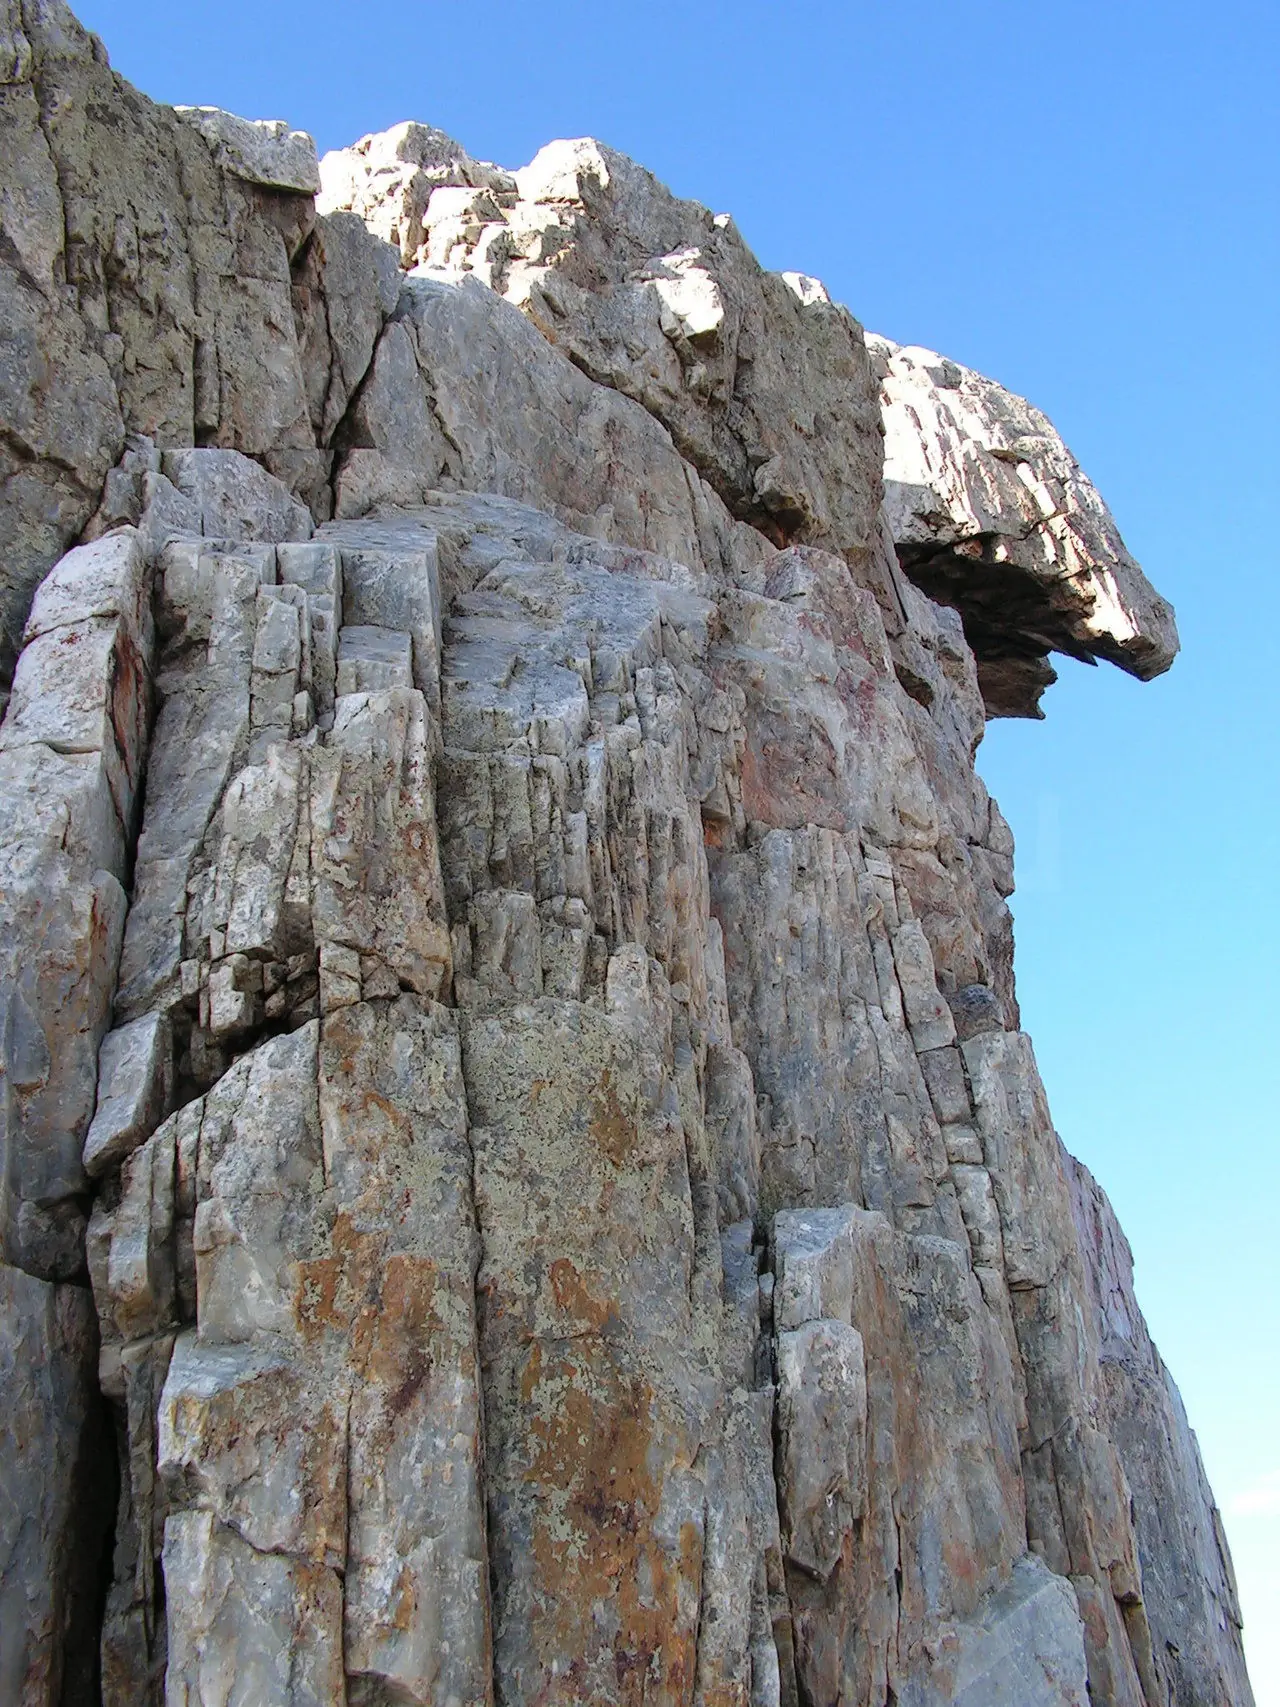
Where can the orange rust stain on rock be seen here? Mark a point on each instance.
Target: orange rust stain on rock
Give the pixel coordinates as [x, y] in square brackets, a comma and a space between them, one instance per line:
[574, 1298]
[406, 1601]
[594, 1544]
[793, 780]
[399, 1336]
[331, 1288]
[386, 1306]
[610, 1123]
[375, 1099]
[532, 1373]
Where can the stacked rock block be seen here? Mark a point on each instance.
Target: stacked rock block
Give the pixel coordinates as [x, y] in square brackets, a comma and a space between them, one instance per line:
[522, 1180]
[73, 750]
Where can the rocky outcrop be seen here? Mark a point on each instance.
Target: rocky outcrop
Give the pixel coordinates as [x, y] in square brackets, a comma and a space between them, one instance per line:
[763, 384]
[162, 273]
[769, 390]
[522, 1180]
[991, 513]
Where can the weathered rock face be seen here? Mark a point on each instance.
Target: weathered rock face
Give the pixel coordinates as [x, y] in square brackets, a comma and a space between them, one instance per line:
[991, 513]
[763, 384]
[161, 274]
[512, 1092]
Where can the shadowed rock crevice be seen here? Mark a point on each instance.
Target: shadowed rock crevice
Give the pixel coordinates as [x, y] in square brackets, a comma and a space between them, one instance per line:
[1008, 621]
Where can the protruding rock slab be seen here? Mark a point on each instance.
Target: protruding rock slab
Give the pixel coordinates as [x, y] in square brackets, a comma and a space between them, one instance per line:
[135, 1085]
[991, 513]
[263, 151]
[235, 497]
[243, 1625]
[464, 391]
[72, 754]
[317, 1441]
[658, 299]
[822, 1423]
[393, 1115]
[898, 1473]
[1025, 1648]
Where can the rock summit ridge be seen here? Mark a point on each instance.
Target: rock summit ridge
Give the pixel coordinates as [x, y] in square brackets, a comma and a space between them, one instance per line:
[522, 1179]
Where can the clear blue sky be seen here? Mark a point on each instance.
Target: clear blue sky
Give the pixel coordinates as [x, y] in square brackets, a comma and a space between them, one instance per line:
[1079, 199]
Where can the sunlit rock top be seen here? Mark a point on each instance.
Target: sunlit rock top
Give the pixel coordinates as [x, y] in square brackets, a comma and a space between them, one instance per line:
[765, 385]
[992, 513]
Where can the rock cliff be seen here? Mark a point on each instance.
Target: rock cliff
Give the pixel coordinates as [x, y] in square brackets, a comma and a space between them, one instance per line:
[522, 1182]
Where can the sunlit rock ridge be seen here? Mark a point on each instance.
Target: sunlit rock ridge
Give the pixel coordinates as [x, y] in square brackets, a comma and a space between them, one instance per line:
[522, 1181]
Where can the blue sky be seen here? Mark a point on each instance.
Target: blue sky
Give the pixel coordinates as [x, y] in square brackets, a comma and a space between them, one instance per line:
[1080, 200]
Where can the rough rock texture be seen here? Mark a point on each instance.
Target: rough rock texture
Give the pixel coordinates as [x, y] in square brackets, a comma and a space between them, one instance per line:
[161, 273]
[522, 1181]
[991, 513]
[1189, 1587]
[762, 382]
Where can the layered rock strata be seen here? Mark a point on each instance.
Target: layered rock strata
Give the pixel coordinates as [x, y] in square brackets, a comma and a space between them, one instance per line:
[522, 1180]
